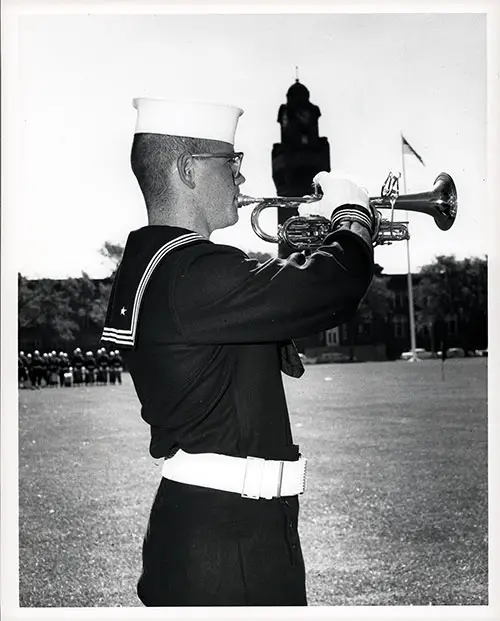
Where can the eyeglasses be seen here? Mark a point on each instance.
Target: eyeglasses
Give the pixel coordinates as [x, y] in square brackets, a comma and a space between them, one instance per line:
[234, 159]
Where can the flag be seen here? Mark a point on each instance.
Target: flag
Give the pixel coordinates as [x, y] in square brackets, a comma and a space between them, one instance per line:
[407, 148]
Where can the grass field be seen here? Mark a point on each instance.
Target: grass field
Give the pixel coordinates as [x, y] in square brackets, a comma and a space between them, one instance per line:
[395, 511]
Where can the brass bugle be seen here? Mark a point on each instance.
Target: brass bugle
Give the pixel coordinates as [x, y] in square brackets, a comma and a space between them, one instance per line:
[440, 202]
[306, 232]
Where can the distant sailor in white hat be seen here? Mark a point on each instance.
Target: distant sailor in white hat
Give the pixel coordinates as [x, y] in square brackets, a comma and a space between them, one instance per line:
[206, 334]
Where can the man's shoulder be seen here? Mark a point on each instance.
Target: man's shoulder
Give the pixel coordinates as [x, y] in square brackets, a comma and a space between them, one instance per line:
[148, 240]
[209, 259]
[214, 249]
[151, 242]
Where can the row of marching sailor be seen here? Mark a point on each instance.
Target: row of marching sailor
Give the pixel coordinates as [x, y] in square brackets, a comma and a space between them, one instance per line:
[37, 370]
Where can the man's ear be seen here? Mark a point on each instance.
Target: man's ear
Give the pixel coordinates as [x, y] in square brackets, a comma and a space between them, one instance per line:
[185, 168]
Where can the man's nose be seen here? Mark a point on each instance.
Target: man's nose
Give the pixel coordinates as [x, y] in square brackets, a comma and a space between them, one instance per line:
[239, 179]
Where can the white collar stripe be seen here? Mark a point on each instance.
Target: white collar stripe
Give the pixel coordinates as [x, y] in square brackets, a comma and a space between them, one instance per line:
[180, 241]
[117, 340]
[117, 331]
[127, 336]
[124, 337]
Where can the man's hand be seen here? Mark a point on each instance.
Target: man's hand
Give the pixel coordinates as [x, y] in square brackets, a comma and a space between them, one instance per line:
[344, 203]
[337, 190]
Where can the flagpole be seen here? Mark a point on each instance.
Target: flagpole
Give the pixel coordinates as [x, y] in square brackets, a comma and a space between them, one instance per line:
[411, 309]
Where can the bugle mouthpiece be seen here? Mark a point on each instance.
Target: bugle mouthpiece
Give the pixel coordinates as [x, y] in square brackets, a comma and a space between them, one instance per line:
[244, 200]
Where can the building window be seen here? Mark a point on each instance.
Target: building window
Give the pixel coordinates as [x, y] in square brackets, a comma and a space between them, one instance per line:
[332, 336]
[364, 328]
[451, 323]
[400, 298]
[400, 323]
[345, 332]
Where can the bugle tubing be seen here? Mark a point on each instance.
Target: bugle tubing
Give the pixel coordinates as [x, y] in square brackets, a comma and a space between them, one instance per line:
[306, 232]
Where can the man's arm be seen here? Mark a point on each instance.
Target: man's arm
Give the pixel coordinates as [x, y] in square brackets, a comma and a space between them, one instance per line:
[220, 296]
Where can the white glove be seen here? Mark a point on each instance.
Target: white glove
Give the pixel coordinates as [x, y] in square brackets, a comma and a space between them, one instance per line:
[338, 189]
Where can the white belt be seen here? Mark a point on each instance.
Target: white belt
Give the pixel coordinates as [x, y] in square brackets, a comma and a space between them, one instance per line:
[252, 477]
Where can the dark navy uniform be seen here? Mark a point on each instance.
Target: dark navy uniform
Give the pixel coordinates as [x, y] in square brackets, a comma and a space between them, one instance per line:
[38, 366]
[102, 366]
[31, 370]
[64, 368]
[78, 367]
[90, 368]
[116, 367]
[22, 369]
[205, 333]
[53, 366]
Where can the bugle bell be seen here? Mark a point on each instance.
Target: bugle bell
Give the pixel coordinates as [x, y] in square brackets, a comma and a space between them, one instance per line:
[308, 232]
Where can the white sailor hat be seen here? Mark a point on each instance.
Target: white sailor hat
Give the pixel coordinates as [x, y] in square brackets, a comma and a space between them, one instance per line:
[210, 121]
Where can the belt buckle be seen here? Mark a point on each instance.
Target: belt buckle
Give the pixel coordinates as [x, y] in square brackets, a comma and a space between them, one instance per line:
[252, 481]
[256, 483]
[280, 478]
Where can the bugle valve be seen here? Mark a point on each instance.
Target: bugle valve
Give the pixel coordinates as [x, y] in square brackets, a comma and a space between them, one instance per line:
[308, 232]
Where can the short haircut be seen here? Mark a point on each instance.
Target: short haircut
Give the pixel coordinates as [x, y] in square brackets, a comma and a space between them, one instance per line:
[152, 157]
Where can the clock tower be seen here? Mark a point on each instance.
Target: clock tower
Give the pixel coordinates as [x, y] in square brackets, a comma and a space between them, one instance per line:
[301, 154]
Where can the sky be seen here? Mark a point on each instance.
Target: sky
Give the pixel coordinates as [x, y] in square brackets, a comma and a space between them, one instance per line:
[372, 75]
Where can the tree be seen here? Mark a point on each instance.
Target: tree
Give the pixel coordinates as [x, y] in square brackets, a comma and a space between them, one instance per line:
[58, 312]
[113, 253]
[373, 310]
[88, 300]
[44, 307]
[261, 257]
[454, 289]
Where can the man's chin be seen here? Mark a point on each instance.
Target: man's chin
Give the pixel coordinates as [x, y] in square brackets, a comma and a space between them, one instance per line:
[231, 221]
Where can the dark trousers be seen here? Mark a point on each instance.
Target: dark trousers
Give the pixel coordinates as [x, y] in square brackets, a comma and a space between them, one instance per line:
[205, 547]
[36, 376]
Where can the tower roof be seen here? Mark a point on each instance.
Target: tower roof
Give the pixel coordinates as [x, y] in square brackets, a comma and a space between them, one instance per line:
[297, 93]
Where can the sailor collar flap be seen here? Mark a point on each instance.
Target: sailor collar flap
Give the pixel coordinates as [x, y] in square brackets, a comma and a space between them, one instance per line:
[144, 251]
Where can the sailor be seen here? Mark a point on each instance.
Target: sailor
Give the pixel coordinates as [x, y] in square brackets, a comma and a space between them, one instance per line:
[206, 333]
